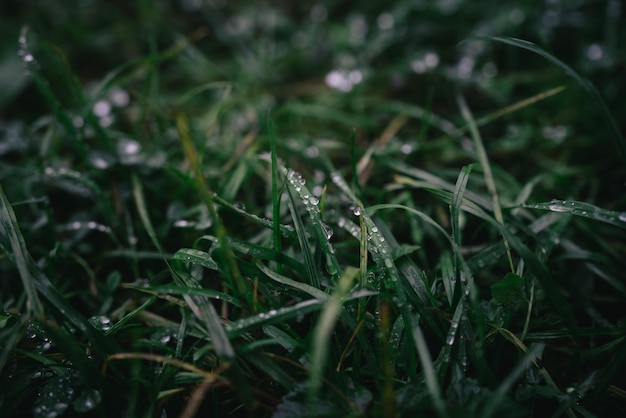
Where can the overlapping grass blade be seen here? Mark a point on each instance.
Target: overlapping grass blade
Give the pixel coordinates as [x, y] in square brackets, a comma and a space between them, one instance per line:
[324, 328]
[284, 314]
[201, 307]
[15, 247]
[296, 186]
[484, 162]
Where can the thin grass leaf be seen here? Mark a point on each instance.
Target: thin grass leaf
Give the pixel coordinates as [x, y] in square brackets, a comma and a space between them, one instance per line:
[430, 376]
[285, 230]
[129, 316]
[585, 84]
[323, 232]
[584, 210]
[313, 273]
[484, 162]
[431, 181]
[282, 315]
[324, 328]
[455, 214]
[303, 287]
[263, 253]
[275, 195]
[184, 290]
[18, 254]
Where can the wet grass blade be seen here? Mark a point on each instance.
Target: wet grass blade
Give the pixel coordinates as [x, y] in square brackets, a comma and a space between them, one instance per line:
[585, 210]
[19, 254]
[585, 84]
[313, 273]
[303, 287]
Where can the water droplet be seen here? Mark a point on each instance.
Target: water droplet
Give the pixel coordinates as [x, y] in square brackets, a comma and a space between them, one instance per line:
[102, 108]
[129, 151]
[312, 151]
[374, 229]
[313, 200]
[328, 231]
[102, 322]
[342, 222]
[343, 80]
[101, 160]
[120, 98]
[406, 149]
[87, 401]
[356, 210]
[622, 217]
[558, 207]
[385, 21]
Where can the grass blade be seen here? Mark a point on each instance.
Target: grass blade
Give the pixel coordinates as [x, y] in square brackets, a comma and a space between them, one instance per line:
[484, 162]
[324, 329]
[585, 210]
[275, 195]
[19, 254]
[585, 84]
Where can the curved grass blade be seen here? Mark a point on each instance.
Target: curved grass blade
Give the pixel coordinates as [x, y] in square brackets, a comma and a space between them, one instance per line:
[311, 290]
[585, 84]
[263, 253]
[183, 290]
[196, 257]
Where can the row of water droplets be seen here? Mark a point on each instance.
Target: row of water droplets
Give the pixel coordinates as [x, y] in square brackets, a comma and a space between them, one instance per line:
[583, 209]
[311, 204]
[263, 317]
[376, 244]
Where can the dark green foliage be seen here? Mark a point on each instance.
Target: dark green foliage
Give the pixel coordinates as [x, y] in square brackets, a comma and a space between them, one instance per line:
[321, 209]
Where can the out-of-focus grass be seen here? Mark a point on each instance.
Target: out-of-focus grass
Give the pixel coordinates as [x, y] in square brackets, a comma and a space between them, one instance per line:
[228, 209]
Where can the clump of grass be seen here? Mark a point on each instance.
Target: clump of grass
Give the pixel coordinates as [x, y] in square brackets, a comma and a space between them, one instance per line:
[176, 248]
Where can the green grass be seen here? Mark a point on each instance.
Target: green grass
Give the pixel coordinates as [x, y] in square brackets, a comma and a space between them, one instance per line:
[195, 223]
